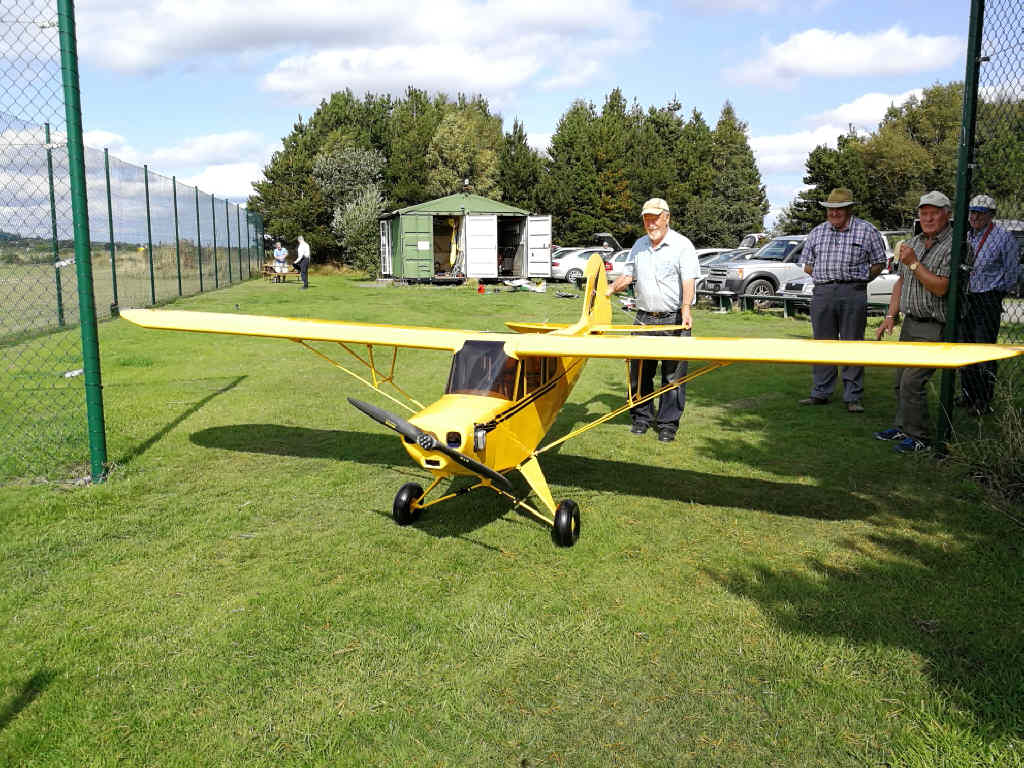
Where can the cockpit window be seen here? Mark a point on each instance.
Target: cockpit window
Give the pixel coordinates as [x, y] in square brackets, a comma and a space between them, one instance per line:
[482, 368]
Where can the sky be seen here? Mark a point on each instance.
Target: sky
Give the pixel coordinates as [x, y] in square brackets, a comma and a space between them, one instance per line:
[206, 91]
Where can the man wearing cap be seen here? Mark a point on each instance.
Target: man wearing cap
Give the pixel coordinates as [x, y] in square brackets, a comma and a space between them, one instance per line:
[920, 294]
[841, 254]
[663, 267]
[995, 268]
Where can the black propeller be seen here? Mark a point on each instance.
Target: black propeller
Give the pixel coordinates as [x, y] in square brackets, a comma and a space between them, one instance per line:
[428, 442]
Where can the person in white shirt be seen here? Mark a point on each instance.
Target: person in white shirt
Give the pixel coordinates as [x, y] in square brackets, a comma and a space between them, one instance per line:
[663, 266]
[302, 261]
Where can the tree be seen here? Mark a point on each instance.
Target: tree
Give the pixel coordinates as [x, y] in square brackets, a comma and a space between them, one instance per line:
[343, 172]
[465, 146]
[694, 211]
[356, 225]
[411, 128]
[519, 169]
[736, 190]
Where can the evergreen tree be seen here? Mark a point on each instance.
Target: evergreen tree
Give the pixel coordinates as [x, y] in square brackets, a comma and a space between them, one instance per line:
[612, 138]
[736, 190]
[696, 215]
[465, 146]
[413, 123]
[519, 169]
[569, 189]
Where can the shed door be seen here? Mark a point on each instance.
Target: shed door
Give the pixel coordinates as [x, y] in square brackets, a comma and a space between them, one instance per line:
[538, 245]
[385, 247]
[417, 245]
[482, 245]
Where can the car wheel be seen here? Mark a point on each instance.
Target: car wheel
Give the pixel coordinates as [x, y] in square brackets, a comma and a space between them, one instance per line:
[759, 287]
[574, 275]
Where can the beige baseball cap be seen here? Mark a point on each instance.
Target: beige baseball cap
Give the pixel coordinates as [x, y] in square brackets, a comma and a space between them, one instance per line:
[655, 206]
[935, 198]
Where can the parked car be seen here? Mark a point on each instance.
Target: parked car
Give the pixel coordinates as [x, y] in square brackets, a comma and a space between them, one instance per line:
[569, 264]
[718, 256]
[800, 289]
[772, 266]
[618, 261]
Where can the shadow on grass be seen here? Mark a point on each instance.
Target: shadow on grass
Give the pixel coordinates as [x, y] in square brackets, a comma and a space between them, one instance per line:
[145, 445]
[642, 480]
[29, 692]
[959, 611]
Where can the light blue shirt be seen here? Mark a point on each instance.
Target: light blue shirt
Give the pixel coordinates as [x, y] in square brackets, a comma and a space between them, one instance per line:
[658, 273]
[997, 264]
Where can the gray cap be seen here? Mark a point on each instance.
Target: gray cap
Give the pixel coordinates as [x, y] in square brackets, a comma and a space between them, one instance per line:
[935, 198]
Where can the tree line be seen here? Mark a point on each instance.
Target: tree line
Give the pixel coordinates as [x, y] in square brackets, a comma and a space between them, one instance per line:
[914, 150]
[355, 158]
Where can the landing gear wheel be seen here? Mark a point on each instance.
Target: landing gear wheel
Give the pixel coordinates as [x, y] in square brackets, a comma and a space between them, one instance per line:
[567, 523]
[402, 510]
[574, 276]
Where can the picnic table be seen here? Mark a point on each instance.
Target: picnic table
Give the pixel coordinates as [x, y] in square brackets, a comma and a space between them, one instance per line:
[268, 272]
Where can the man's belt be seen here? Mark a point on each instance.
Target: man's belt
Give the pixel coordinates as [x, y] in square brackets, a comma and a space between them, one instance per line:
[659, 314]
[840, 282]
[924, 319]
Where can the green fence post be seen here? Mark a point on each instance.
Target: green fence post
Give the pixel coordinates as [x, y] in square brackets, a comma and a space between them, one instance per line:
[53, 226]
[227, 226]
[83, 254]
[213, 216]
[238, 231]
[110, 227]
[177, 241]
[199, 244]
[248, 243]
[149, 237]
[965, 161]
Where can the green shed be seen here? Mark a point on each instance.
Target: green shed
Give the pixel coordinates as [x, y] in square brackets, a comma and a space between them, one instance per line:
[464, 235]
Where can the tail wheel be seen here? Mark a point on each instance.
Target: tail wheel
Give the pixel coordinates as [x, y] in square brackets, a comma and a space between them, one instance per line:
[567, 523]
[404, 510]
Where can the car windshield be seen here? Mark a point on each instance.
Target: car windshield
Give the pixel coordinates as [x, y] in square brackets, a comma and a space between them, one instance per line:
[482, 368]
[777, 250]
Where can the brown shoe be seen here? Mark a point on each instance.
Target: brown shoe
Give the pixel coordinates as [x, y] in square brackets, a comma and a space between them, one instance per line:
[813, 401]
[854, 406]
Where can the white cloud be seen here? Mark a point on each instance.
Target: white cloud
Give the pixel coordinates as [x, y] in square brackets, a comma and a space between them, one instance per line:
[232, 180]
[220, 148]
[787, 152]
[539, 141]
[391, 69]
[864, 112]
[821, 53]
[763, 7]
[320, 46]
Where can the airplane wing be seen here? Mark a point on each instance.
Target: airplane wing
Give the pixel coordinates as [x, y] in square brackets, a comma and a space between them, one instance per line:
[296, 328]
[883, 353]
[542, 339]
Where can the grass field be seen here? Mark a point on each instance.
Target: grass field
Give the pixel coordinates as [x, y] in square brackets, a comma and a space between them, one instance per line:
[776, 588]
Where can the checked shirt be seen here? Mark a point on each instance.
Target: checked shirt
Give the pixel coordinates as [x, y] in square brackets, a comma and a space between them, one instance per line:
[843, 255]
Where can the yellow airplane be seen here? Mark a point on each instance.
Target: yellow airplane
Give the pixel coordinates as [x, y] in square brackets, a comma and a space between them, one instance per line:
[505, 390]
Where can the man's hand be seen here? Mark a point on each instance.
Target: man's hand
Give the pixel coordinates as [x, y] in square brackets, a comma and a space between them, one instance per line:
[907, 254]
[687, 319]
[885, 328]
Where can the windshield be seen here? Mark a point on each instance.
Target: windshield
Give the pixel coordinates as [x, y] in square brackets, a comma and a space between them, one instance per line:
[482, 368]
[777, 250]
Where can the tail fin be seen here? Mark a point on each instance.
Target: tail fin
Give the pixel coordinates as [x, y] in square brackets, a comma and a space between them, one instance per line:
[597, 309]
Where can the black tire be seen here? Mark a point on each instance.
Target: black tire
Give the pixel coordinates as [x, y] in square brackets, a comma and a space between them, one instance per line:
[574, 276]
[759, 287]
[402, 510]
[567, 523]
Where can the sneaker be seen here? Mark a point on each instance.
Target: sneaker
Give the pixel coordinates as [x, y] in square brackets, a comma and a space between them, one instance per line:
[890, 434]
[666, 435]
[910, 445]
[854, 406]
[812, 400]
[638, 429]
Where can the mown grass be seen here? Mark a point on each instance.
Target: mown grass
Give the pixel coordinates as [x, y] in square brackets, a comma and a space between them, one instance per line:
[775, 588]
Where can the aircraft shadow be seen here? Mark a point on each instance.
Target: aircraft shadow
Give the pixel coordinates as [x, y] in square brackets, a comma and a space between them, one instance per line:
[641, 480]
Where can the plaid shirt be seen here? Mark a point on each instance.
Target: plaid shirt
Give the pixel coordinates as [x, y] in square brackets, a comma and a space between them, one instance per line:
[915, 299]
[997, 264]
[843, 254]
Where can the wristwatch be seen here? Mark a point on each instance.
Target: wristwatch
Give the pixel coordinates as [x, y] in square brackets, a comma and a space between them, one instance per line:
[913, 267]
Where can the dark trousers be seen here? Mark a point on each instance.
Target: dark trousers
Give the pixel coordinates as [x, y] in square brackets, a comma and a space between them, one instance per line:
[641, 379]
[303, 271]
[839, 311]
[912, 383]
[981, 325]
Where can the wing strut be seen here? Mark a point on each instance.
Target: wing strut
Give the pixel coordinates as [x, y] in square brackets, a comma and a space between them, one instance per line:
[707, 368]
[378, 376]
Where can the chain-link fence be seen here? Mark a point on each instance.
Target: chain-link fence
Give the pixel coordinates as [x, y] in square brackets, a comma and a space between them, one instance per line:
[150, 239]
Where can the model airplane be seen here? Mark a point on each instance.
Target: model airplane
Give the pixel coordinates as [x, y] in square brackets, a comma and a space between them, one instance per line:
[505, 390]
